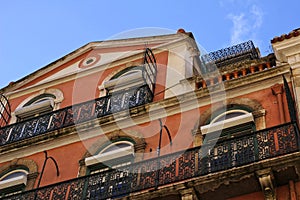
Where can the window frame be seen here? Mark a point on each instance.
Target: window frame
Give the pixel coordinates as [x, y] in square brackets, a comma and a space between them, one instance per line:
[14, 184]
[228, 128]
[37, 106]
[125, 79]
[103, 161]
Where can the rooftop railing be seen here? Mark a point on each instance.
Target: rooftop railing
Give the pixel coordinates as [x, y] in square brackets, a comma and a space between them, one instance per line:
[229, 55]
[175, 167]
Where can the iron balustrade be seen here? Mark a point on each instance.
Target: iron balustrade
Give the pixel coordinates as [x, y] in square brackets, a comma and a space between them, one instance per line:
[229, 55]
[4, 111]
[78, 113]
[175, 167]
[149, 69]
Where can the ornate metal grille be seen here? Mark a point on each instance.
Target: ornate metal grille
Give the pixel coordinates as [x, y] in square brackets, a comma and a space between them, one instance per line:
[150, 69]
[4, 111]
[230, 55]
[173, 167]
[112, 103]
[76, 114]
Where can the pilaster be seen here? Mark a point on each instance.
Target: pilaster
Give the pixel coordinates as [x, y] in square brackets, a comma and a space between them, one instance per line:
[277, 90]
[287, 52]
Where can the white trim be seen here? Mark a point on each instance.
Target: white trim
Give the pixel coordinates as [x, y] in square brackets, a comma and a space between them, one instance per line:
[227, 123]
[18, 180]
[228, 112]
[35, 108]
[111, 155]
[115, 144]
[125, 81]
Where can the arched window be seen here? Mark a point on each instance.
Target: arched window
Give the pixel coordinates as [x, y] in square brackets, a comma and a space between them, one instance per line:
[230, 123]
[13, 182]
[127, 71]
[38, 105]
[125, 79]
[115, 155]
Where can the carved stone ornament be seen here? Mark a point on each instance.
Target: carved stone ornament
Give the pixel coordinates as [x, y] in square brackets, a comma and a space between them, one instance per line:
[266, 178]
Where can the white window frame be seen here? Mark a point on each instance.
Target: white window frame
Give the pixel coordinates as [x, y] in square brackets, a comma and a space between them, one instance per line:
[227, 123]
[132, 78]
[108, 156]
[15, 181]
[35, 108]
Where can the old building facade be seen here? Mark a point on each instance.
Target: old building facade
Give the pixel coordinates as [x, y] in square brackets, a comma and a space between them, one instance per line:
[155, 118]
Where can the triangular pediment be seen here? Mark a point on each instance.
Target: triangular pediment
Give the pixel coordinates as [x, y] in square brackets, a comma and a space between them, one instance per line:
[92, 55]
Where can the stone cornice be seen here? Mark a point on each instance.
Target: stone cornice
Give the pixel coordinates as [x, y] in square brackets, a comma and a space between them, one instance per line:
[286, 49]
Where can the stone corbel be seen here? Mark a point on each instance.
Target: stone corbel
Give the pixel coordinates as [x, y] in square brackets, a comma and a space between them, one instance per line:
[188, 194]
[266, 178]
[198, 137]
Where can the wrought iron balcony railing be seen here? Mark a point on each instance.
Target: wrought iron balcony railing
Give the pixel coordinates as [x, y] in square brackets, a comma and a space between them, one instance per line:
[76, 114]
[175, 167]
[229, 55]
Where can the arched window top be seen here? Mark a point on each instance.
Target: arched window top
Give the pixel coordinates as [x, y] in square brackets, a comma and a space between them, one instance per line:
[39, 105]
[230, 122]
[127, 71]
[14, 174]
[228, 115]
[13, 181]
[112, 156]
[40, 98]
[116, 146]
[131, 77]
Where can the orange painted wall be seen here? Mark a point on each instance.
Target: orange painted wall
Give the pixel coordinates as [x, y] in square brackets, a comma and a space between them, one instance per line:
[268, 102]
[98, 49]
[180, 125]
[67, 158]
[297, 185]
[86, 88]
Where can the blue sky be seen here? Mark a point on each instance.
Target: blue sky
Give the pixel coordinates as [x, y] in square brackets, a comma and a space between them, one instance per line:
[33, 33]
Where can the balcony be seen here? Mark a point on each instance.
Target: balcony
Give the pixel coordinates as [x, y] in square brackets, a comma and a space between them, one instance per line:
[227, 56]
[115, 102]
[176, 167]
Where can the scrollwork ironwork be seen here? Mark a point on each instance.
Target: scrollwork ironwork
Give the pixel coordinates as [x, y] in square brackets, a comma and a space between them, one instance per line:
[75, 114]
[173, 167]
[231, 54]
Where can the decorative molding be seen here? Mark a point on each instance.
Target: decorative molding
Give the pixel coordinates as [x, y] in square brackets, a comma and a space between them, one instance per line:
[138, 140]
[266, 178]
[188, 194]
[253, 104]
[59, 97]
[29, 164]
[277, 89]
